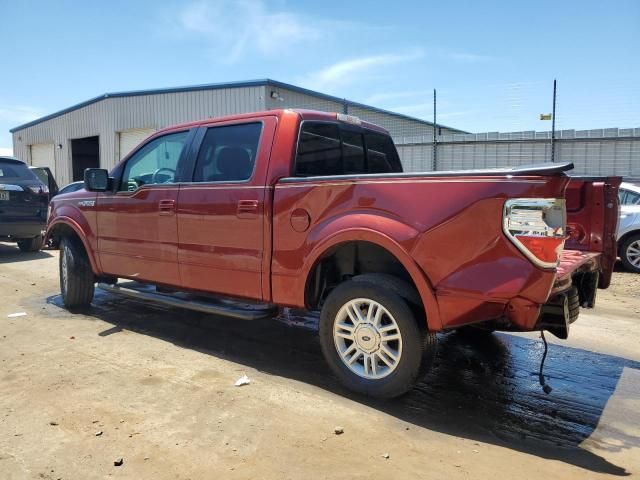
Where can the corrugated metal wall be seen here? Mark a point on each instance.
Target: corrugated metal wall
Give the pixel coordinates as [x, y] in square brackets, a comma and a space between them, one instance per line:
[114, 114]
[400, 128]
[594, 152]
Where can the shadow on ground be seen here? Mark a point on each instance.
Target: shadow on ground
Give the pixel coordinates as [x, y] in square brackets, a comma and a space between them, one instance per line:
[484, 390]
[10, 253]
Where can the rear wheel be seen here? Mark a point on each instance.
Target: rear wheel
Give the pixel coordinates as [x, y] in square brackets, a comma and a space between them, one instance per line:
[630, 253]
[76, 277]
[372, 341]
[30, 244]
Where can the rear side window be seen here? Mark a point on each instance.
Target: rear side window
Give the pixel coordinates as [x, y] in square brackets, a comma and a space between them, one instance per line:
[326, 148]
[15, 171]
[228, 153]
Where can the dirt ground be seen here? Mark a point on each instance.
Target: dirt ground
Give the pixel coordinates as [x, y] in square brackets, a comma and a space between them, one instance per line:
[155, 387]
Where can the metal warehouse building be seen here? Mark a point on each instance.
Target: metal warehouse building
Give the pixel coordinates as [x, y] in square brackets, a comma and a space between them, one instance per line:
[101, 131]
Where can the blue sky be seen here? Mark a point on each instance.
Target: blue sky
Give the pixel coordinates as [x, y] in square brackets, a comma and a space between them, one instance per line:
[493, 63]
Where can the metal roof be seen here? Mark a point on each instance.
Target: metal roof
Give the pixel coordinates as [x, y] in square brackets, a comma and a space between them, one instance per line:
[217, 86]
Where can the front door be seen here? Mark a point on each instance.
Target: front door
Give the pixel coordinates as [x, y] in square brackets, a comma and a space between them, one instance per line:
[137, 226]
[221, 213]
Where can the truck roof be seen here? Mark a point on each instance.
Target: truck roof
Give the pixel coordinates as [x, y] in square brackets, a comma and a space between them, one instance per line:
[302, 113]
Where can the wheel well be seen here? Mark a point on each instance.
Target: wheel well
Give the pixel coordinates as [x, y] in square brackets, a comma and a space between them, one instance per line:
[61, 231]
[347, 260]
[624, 238]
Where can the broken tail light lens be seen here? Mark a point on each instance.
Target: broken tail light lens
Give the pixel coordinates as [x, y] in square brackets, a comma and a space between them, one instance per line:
[537, 226]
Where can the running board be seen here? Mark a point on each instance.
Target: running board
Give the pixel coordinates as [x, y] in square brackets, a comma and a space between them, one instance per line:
[215, 306]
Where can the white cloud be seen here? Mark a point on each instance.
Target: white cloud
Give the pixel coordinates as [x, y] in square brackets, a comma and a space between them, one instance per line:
[346, 71]
[6, 151]
[237, 28]
[17, 114]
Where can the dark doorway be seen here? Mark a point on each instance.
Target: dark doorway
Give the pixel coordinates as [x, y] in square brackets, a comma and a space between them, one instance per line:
[85, 153]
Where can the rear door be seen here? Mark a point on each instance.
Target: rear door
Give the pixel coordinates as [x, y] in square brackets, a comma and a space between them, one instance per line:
[137, 227]
[221, 214]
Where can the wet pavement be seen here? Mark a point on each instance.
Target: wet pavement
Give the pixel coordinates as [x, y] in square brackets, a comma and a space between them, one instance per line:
[482, 389]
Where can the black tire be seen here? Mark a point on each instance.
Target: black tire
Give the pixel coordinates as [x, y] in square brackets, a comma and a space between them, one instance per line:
[418, 345]
[30, 244]
[626, 249]
[76, 277]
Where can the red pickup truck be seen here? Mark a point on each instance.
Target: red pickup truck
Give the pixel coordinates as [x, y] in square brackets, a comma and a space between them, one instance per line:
[246, 214]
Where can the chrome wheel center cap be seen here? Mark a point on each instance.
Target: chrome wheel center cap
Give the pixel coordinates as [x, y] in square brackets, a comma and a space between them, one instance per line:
[367, 338]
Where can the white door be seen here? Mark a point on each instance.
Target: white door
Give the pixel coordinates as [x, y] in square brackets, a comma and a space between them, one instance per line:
[43, 155]
[130, 139]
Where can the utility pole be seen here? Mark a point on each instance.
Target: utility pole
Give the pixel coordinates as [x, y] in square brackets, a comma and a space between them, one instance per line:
[435, 138]
[553, 124]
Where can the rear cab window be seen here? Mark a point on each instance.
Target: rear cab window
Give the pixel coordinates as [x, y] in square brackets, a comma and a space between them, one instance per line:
[331, 148]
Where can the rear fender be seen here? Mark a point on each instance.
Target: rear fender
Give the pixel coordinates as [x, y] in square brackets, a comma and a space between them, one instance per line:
[344, 230]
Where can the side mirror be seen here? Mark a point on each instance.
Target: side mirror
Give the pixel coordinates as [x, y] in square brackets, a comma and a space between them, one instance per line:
[96, 179]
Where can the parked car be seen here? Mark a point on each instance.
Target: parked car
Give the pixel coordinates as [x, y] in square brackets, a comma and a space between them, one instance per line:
[23, 205]
[71, 187]
[45, 175]
[312, 210]
[629, 226]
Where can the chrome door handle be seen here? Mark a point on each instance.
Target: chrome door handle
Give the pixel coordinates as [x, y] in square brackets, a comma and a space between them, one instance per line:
[247, 208]
[167, 207]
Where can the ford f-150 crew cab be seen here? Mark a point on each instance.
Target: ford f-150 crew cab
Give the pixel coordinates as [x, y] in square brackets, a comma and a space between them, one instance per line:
[246, 214]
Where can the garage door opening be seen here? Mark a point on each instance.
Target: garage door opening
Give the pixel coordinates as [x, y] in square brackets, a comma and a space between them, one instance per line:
[85, 153]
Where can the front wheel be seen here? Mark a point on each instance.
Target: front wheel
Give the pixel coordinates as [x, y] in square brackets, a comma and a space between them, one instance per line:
[630, 253]
[76, 277]
[372, 340]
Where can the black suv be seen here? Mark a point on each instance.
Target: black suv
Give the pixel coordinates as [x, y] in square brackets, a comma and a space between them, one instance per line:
[23, 205]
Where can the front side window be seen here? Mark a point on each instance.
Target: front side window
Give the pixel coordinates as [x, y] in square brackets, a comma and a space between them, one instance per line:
[228, 153]
[155, 163]
[327, 148]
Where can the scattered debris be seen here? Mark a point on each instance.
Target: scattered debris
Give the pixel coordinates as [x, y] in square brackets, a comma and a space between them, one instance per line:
[475, 451]
[385, 455]
[98, 433]
[118, 462]
[17, 314]
[338, 430]
[243, 380]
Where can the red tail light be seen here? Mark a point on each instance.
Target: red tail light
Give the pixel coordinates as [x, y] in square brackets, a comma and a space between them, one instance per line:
[537, 227]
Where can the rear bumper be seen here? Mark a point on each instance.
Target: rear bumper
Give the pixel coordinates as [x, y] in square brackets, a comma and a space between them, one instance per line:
[17, 230]
[575, 286]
